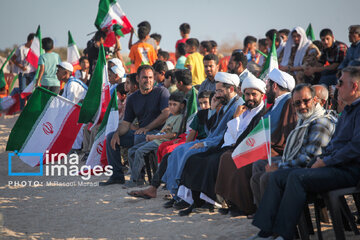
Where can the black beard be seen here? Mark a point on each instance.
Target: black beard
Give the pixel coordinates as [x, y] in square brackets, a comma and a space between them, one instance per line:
[270, 97]
[223, 101]
[251, 106]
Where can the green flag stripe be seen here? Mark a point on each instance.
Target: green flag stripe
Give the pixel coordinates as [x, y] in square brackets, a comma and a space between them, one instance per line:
[259, 127]
[32, 112]
[104, 6]
[112, 106]
[70, 39]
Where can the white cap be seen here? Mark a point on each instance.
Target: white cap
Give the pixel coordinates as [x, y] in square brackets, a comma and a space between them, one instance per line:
[116, 61]
[67, 66]
[120, 71]
[253, 82]
[284, 79]
[228, 78]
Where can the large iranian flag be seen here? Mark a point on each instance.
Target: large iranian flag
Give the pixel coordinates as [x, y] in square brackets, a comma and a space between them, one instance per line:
[47, 123]
[271, 61]
[113, 20]
[98, 95]
[255, 146]
[97, 156]
[35, 49]
[73, 55]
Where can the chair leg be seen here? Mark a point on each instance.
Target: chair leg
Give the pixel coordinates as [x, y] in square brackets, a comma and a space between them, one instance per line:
[333, 205]
[308, 220]
[348, 215]
[303, 227]
[318, 209]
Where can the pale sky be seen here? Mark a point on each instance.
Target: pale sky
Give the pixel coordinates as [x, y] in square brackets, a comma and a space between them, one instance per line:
[216, 20]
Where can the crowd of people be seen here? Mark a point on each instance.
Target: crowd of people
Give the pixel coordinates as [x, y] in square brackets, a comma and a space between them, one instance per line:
[312, 99]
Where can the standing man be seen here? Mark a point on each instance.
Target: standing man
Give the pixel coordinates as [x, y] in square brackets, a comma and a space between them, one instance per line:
[211, 68]
[150, 106]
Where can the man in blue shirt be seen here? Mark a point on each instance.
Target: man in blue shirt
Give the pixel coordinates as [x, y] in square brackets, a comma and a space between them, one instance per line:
[150, 106]
[339, 167]
[352, 57]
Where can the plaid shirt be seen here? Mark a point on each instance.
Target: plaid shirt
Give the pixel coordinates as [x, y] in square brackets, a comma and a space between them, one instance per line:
[334, 54]
[318, 136]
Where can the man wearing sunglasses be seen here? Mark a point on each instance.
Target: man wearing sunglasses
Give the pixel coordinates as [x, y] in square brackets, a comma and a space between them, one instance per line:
[338, 167]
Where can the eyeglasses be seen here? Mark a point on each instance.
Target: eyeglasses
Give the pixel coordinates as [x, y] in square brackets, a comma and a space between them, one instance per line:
[298, 103]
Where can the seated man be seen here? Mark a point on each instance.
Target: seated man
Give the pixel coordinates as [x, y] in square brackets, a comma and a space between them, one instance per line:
[333, 53]
[338, 167]
[150, 106]
[201, 169]
[313, 132]
[226, 93]
[169, 131]
[299, 52]
[352, 57]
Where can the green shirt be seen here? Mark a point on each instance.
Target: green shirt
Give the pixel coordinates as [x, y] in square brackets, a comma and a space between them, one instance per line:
[50, 62]
[197, 126]
[172, 125]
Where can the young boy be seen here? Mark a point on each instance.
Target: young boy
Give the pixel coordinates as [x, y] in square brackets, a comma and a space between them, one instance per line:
[194, 61]
[131, 85]
[160, 68]
[170, 81]
[115, 75]
[180, 55]
[83, 74]
[169, 131]
[184, 32]
[48, 66]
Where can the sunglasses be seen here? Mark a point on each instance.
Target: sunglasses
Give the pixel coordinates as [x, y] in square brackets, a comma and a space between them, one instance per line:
[298, 103]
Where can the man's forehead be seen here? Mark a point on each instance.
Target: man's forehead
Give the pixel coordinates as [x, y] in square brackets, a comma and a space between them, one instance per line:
[146, 72]
[305, 92]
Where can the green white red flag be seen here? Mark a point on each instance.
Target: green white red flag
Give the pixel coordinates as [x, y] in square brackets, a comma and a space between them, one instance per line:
[97, 155]
[35, 49]
[73, 55]
[255, 146]
[47, 123]
[271, 61]
[112, 19]
[98, 95]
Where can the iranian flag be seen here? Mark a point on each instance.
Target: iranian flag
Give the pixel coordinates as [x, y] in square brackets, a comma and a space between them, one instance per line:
[97, 156]
[191, 108]
[255, 146]
[112, 20]
[47, 123]
[35, 49]
[73, 55]
[271, 61]
[98, 95]
[28, 90]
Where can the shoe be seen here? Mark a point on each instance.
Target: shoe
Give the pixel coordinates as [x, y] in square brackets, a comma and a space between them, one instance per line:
[180, 205]
[206, 207]
[139, 194]
[187, 211]
[112, 181]
[169, 203]
[132, 184]
[236, 213]
[223, 211]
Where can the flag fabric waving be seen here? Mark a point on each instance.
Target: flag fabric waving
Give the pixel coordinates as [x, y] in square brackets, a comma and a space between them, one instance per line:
[255, 146]
[35, 49]
[2, 75]
[73, 55]
[98, 95]
[97, 155]
[271, 61]
[310, 33]
[47, 123]
[112, 20]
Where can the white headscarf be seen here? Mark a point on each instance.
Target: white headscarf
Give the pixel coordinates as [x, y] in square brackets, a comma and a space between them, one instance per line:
[301, 50]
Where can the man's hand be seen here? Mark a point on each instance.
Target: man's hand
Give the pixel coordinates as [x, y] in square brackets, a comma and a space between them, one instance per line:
[214, 103]
[115, 140]
[141, 131]
[240, 110]
[319, 163]
[197, 145]
[271, 168]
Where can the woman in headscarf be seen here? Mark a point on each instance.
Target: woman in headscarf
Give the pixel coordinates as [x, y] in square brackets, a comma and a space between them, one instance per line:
[299, 52]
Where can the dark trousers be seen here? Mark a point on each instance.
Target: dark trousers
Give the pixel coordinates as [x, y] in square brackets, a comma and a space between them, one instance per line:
[156, 180]
[285, 195]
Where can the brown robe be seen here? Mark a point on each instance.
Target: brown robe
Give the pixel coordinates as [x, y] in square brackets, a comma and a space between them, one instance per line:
[234, 184]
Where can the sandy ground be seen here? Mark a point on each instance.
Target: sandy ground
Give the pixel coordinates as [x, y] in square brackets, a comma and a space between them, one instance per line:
[32, 211]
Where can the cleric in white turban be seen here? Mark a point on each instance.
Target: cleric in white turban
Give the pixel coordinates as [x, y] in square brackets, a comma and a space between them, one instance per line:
[283, 79]
[227, 78]
[253, 82]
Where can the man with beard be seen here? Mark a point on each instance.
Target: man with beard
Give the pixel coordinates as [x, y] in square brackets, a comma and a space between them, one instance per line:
[150, 106]
[211, 68]
[237, 65]
[233, 184]
[226, 84]
[312, 133]
[338, 167]
[200, 170]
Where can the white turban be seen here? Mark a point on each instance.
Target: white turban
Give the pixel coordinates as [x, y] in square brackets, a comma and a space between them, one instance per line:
[284, 79]
[120, 71]
[228, 78]
[253, 82]
[116, 61]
